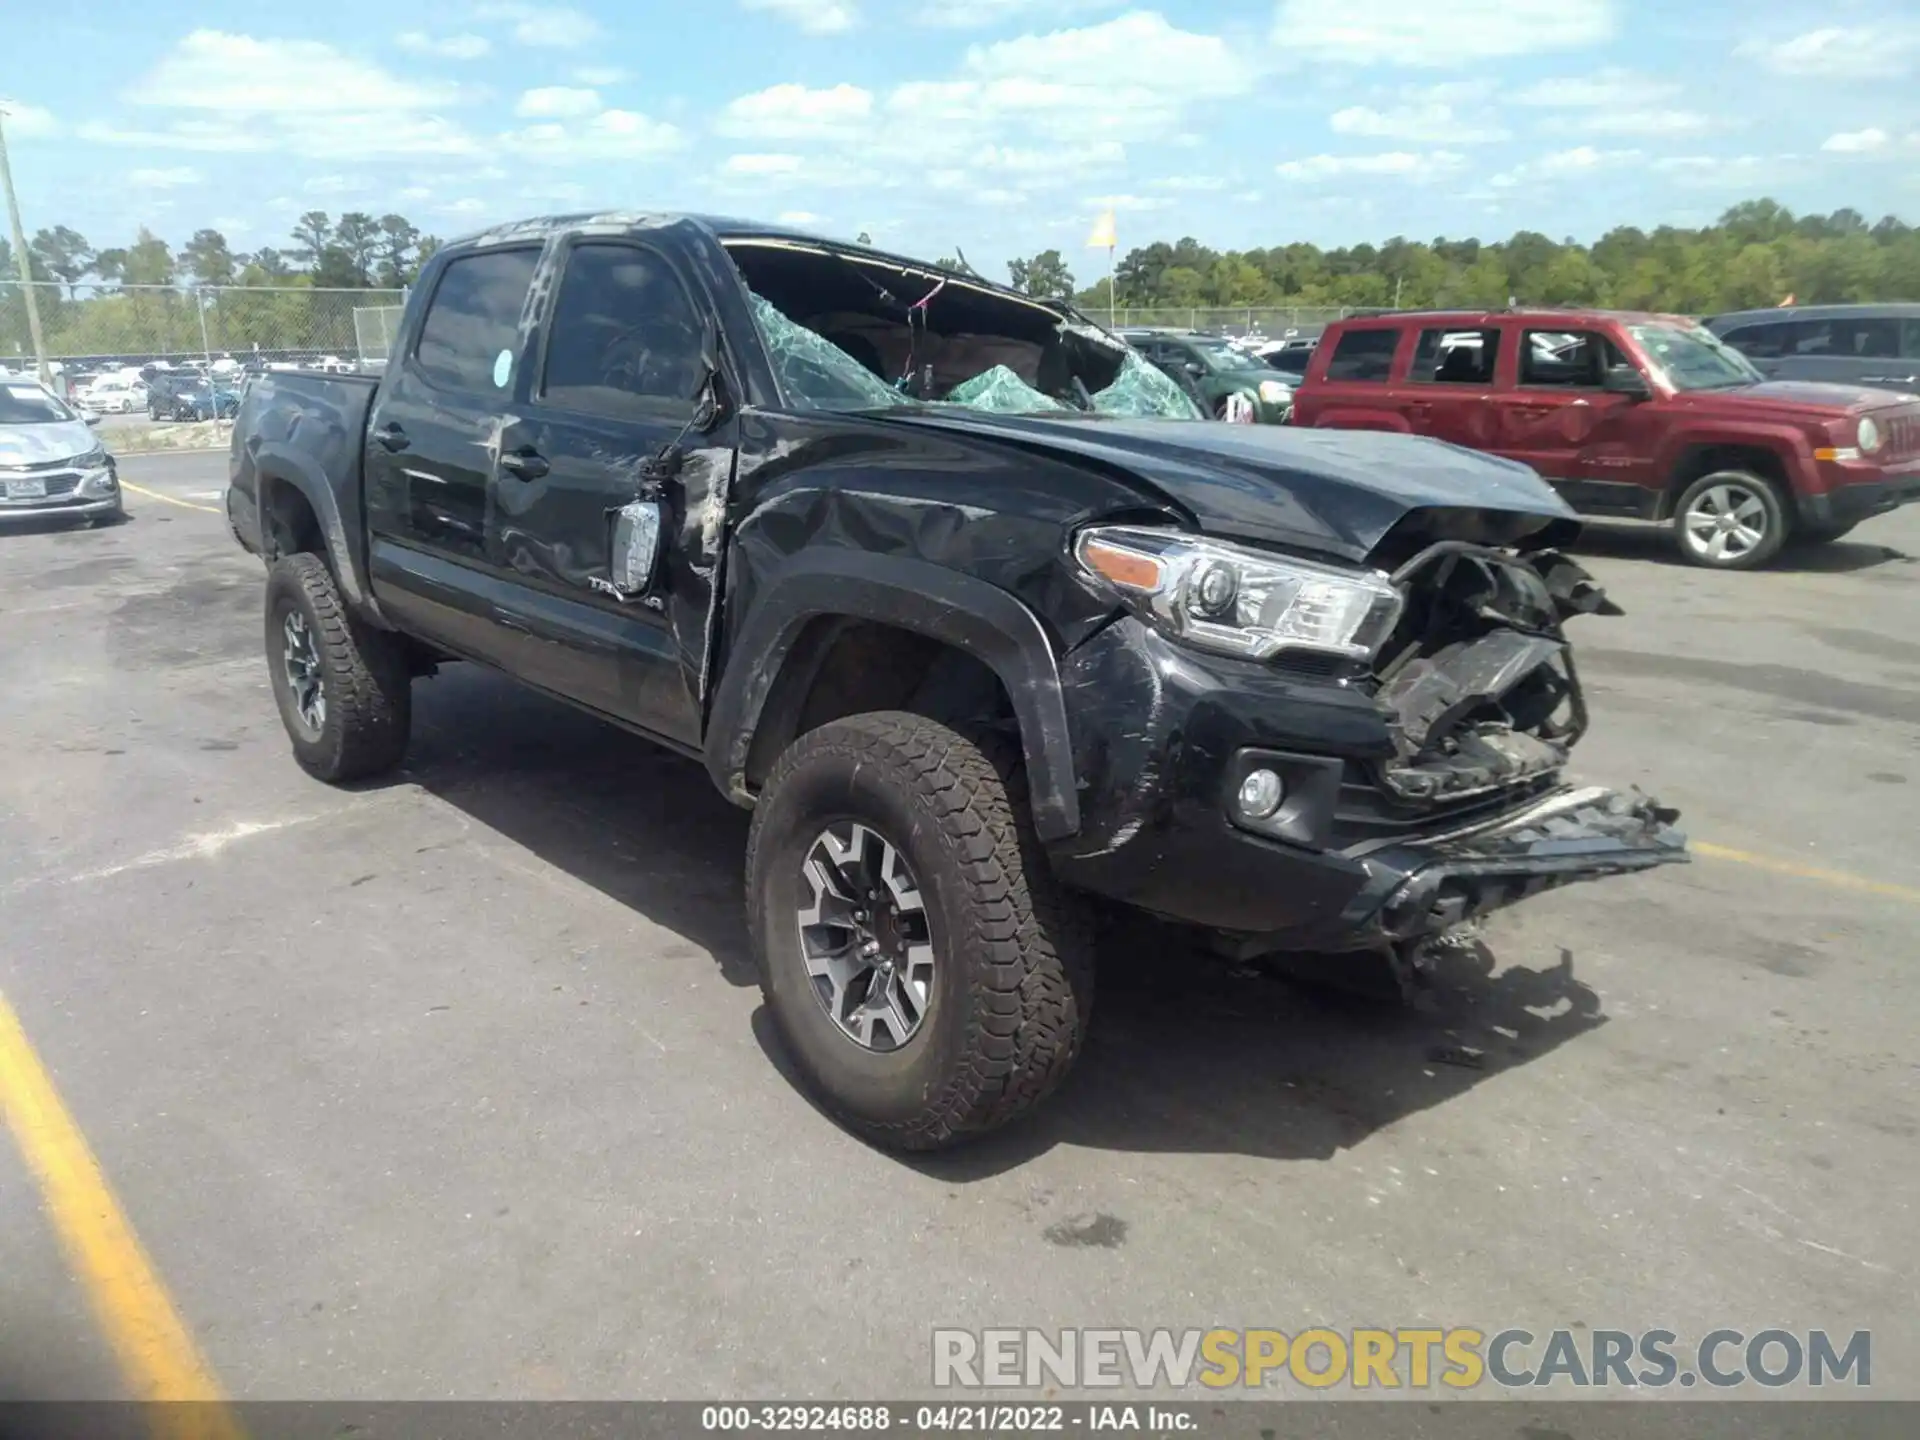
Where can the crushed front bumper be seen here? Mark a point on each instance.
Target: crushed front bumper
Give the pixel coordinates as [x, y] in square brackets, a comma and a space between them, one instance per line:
[1162, 738]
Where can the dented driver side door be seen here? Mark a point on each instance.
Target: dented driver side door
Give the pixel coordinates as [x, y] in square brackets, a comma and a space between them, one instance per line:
[607, 424]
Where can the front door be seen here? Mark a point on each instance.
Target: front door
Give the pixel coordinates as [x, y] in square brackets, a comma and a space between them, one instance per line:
[429, 456]
[616, 390]
[1558, 417]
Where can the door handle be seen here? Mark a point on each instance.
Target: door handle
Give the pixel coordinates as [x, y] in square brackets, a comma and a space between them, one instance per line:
[392, 438]
[526, 463]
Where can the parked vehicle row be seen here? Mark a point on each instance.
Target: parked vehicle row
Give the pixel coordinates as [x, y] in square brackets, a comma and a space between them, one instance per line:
[52, 465]
[1647, 417]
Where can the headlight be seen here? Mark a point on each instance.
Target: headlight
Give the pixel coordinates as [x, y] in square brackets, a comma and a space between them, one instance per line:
[1869, 435]
[98, 484]
[1275, 392]
[1239, 602]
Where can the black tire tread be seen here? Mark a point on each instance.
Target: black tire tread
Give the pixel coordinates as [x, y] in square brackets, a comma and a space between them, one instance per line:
[1032, 941]
[366, 678]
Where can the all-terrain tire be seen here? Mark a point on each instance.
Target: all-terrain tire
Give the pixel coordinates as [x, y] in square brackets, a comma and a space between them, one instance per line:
[1013, 981]
[364, 677]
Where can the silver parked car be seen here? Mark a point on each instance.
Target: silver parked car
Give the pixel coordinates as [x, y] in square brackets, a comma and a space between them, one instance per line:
[51, 462]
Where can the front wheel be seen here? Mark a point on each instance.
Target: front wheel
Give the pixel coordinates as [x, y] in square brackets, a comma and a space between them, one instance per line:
[1730, 520]
[929, 977]
[343, 688]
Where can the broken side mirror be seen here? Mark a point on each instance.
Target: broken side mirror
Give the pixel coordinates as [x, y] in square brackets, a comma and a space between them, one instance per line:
[634, 555]
[1625, 380]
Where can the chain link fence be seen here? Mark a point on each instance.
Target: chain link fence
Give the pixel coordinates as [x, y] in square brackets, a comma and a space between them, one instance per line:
[97, 325]
[1270, 320]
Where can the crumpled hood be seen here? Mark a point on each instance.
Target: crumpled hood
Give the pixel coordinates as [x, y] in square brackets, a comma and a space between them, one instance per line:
[1772, 398]
[1334, 491]
[42, 444]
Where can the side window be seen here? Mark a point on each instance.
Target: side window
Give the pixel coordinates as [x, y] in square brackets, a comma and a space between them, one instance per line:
[1762, 342]
[468, 340]
[1910, 342]
[1363, 355]
[625, 338]
[1561, 358]
[1455, 357]
[1867, 339]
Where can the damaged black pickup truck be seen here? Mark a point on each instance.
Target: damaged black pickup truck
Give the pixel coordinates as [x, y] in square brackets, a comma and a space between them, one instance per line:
[966, 601]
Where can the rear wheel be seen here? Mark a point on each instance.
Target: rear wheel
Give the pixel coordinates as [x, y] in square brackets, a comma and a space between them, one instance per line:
[930, 978]
[343, 688]
[1730, 520]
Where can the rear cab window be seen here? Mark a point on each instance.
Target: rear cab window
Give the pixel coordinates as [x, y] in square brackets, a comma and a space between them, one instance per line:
[469, 337]
[1365, 355]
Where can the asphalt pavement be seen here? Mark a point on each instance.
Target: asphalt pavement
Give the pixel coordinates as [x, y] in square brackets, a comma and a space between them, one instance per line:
[459, 1086]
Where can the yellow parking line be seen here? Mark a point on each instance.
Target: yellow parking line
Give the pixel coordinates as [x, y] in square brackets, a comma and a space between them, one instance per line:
[1837, 878]
[156, 495]
[156, 1353]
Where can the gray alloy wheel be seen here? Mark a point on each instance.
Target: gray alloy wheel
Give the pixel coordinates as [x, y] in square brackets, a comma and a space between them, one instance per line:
[302, 661]
[864, 936]
[1730, 520]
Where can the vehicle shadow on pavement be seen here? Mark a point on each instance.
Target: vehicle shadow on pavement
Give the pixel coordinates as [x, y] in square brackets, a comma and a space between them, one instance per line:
[638, 823]
[1185, 1053]
[1627, 541]
[1189, 1055]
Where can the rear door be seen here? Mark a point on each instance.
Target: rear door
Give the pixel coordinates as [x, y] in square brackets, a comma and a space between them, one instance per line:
[431, 447]
[1449, 384]
[614, 387]
[1351, 389]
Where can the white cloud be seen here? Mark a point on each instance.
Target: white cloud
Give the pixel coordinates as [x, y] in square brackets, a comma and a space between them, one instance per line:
[164, 179]
[1561, 165]
[1437, 32]
[558, 102]
[610, 135]
[451, 47]
[1839, 52]
[763, 164]
[598, 75]
[1856, 142]
[1139, 50]
[1315, 169]
[1069, 160]
[1123, 203]
[798, 217]
[417, 193]
[1729, 172]
[330, 185]
[1428, 123]
[1190, 184]
[24, 121]
[793, 112]
[557, 27]
[467, 208]
[212, 70]
[981, 14]
[1616, 102]
[816, 17]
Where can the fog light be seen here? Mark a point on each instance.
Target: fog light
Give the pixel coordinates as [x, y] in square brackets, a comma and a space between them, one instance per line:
[1260, 794]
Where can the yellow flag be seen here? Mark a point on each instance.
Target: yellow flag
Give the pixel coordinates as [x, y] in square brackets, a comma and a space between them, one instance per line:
[1104, 235]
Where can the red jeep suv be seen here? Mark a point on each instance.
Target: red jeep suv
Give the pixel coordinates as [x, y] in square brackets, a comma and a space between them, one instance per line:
[1650, 417]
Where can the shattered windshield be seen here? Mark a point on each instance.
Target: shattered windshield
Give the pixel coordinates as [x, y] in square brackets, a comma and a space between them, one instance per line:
[1694, 358]
[1224, 355]
[816, 374]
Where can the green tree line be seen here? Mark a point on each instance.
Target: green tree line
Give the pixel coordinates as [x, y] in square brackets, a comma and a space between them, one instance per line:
[1759, 253]
[91, 301]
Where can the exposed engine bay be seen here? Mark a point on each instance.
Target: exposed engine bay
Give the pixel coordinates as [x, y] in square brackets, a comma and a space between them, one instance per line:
[850, 330]
[1477, 674]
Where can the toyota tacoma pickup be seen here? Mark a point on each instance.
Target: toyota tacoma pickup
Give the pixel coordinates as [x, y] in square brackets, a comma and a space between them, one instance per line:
[1644, 417]
[988, 626]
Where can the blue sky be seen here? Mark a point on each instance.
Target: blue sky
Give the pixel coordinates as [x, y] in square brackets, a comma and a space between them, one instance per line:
[999, 126]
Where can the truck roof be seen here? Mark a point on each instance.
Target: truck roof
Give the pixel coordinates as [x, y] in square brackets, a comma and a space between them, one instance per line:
[722, 227]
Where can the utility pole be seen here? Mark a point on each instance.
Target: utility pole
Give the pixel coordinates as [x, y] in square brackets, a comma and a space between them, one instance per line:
[24, 262]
